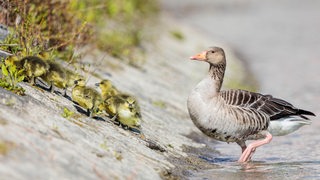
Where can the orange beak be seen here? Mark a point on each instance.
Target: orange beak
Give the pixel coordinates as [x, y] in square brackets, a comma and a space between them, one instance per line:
[200, 57]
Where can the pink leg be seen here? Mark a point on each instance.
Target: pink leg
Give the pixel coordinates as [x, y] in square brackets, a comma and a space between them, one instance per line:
[247, 154]
[243, 145]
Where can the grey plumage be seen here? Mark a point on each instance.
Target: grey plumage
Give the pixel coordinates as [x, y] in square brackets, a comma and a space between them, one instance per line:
[238, 115]
[275, 108]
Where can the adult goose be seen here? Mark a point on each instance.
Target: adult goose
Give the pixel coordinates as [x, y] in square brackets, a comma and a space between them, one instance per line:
[239, 115]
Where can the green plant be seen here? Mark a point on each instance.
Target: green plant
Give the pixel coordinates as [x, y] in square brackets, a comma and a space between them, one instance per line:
[38, 26]
[11, 43]
[67, 113]
[119, 24]
[11, 76]
[114, 26]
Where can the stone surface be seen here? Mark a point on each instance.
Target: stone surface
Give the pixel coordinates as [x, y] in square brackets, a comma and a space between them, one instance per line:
[3, 34]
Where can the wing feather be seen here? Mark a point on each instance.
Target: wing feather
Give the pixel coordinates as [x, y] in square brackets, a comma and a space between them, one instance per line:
[275, 108]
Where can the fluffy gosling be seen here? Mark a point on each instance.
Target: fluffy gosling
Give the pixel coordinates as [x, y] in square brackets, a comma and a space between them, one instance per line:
[71, 77]
[107, 89]
[56, 77]
[34, 67]
[125, 109]
[86, 97]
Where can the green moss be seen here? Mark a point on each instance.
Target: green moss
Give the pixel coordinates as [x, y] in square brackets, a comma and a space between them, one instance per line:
[177, 35]
[3, 122]
[5, 147]
[67, 113]
[73, 117]
[104, 146]
[159, 103]
[118, 155]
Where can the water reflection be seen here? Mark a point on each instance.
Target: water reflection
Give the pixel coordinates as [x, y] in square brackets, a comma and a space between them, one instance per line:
[228, 168]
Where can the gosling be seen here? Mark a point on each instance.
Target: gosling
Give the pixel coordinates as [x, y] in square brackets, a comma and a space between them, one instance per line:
[34, 67]
[125, 109]
[107, 89]
[71, 77]
[86, 97]
[56, 77]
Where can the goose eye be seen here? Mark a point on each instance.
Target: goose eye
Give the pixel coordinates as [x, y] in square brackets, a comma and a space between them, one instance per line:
[212, 51]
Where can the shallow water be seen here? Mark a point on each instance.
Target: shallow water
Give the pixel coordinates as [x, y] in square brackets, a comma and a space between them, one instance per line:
[263, 170]
[280, 42]
[290, 157]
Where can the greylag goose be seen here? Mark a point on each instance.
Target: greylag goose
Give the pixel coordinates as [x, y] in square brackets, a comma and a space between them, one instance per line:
[239, 115]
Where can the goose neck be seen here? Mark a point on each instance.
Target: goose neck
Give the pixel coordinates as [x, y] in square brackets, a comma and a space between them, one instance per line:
[216, 74]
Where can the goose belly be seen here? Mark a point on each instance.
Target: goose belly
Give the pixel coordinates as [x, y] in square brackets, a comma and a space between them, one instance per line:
[223, 128]
[226, 124]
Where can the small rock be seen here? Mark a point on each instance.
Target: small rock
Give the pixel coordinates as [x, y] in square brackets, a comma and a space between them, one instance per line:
[3, 32]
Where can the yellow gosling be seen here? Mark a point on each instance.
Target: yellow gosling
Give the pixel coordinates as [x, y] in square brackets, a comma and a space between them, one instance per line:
[71, 77]
[34, 67]
[86, 97]
[56, 77]
[125, 109]
[107, 89]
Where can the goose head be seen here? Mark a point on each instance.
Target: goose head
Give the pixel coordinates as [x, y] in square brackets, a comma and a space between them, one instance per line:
[214, 55]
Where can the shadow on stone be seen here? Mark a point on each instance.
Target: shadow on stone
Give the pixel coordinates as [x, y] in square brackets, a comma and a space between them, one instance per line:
[98, 118]
[79, 109]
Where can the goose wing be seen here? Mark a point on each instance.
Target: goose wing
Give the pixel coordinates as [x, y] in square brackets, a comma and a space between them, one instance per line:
[275, 108]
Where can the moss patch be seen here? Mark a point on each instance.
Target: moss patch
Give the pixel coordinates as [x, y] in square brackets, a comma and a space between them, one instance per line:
[5, 147]
[3, 122]
[159, 103]
[177, 35]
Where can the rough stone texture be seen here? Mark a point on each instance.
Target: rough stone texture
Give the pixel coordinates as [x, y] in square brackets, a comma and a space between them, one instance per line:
[3, 34]
[40, 143]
